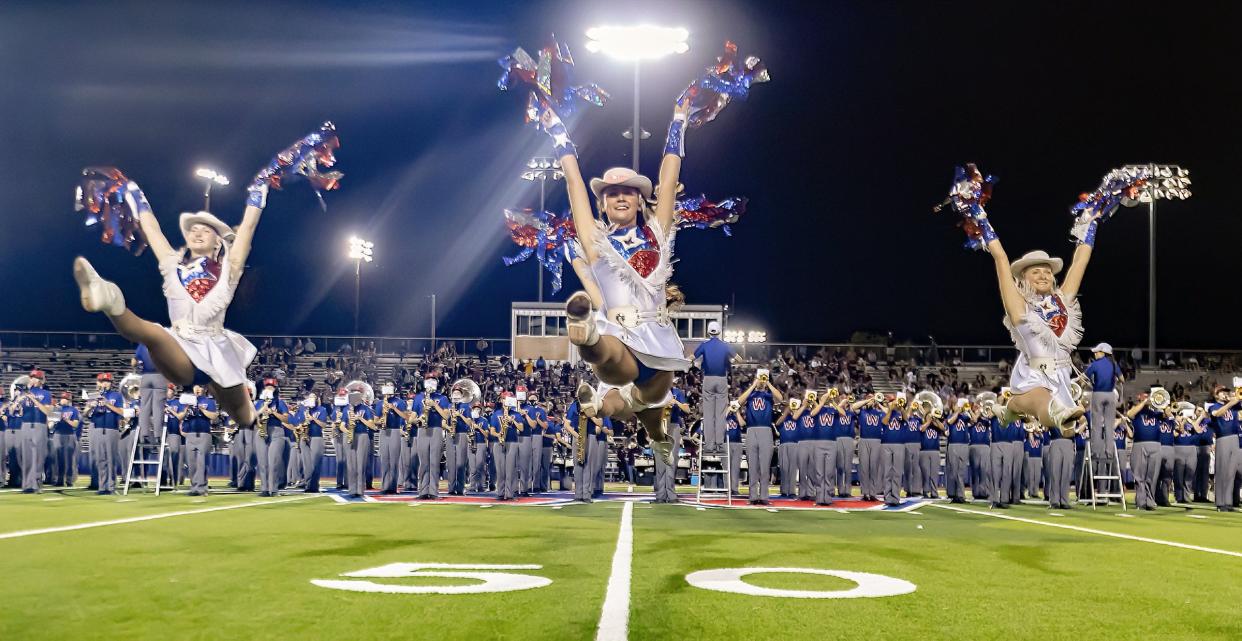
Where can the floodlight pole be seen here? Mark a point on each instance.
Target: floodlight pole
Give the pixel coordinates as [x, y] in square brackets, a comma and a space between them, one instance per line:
[1151, 277]
[636, 131]
[543, 180]
[357, 297]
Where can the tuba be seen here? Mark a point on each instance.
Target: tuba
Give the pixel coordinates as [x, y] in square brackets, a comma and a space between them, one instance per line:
[1076, 391]
[1160, 398]
[131, 386]
[985, 401]
[929, 403]
[463, 390]
[359, 392]
[1185, 409]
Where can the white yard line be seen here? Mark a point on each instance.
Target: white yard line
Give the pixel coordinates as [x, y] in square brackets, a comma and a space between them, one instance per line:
[615, 619]
[1116, 535]
[149, 517]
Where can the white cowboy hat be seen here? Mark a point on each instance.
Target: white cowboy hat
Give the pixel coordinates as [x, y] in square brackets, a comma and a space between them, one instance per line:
[1102, 348]
[1037, 257]
[624, 177]
[189, 219]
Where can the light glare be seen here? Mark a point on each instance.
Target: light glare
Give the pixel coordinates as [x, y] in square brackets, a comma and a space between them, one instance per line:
[638, 42]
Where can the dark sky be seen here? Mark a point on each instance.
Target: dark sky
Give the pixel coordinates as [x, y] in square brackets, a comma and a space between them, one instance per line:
[842, 154]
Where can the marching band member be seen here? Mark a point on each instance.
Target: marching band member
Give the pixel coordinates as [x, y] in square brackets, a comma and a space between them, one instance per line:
[1033, 463]
[981, 454]
[408, 479]
[714, 357]
[914, 424]
[196, 421]
[629, 341]
[11, 443]
[580, 429]
[429, 411]
[664, 482]
[1145, 456]
[1122, 431]
[525, 442]
[929, 455]
[35, 402]
[733, 440]
[957, 451]
[361, 417]
[392, 411]
[1103, 374]
[893, 452]
[65, 442]
[504, 429]
[603, 434]
[297, 425]
[870, 412]
[105, 413]
[457, 449]
[537, 419]
[824, 453]
[1203, 458]
[152, 397]
[543, 480]
[1006, 460]
[478, 456]
[787, 451]
[1226, 425]
[758, 400]
[1185, 438]
[1058, 470]
[170, 417]
[340, 442]
[270, 451]
[843, 451]
[318, 418]
[1164, 483]
[808, 484]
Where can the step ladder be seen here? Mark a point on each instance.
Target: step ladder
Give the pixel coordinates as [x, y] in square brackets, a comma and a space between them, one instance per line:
[144, 455]
[721, 473]
[1088, 473]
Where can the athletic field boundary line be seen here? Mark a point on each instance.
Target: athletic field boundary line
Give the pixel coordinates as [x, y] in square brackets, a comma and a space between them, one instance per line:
[615, 616]
[148, 517]
[1076, 528]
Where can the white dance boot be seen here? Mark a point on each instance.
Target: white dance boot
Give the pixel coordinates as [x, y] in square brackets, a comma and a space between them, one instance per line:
[589, 402]
[1065, 416]
[580, 322]
[98, 295]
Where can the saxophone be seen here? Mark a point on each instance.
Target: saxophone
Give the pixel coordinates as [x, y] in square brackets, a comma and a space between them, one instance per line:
[580, 441]
[262, 424]
[350, 421]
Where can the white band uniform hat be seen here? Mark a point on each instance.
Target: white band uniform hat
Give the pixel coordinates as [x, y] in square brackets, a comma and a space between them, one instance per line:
[1037, 257]
[189, 219]
[1102, 348]
[621, 177]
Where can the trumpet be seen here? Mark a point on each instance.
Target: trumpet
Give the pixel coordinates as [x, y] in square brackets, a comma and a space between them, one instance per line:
[900, 402]
[833, 392]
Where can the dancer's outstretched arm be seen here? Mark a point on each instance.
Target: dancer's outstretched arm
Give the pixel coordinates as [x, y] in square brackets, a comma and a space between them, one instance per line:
[255, 200]
[160, 247]
[1073, 276]
[1011, 298]
[670, 166]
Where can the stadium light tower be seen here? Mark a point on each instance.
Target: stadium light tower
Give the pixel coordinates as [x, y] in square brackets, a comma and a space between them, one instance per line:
[1167, 182]
[542, 169]
[211, 177]
[635, 44]
[360, 251]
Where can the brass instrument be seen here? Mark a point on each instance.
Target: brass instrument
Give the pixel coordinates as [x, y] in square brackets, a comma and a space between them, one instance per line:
[986, 400]
[833, 392]
[131, 386]
[900, 401]
[929, 403]
[580, 442]
[1237, 386]
[811, 397]
[1160, 398]
[1185, 409]
[20, 384]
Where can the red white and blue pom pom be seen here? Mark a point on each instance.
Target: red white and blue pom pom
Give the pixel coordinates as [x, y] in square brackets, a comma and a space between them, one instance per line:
[542, 234]
[970, 192]
[306, 159]
[1119, 187]
[113, 202]
[726, 80]
[550, 80]
[701, 213]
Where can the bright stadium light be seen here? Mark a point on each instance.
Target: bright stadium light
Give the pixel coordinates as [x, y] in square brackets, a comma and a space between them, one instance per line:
[210, 177]
[542, 169]
[734, 336]
[756, 336]
[635, 44]
[638, 42]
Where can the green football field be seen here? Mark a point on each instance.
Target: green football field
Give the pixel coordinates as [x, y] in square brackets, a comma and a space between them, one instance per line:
[77, 565]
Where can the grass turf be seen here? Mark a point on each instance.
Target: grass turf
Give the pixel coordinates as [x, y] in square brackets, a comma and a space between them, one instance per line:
[245, 573]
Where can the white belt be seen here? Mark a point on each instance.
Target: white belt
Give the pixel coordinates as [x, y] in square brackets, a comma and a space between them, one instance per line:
[629, 317]
[190, 331]
[1048, 366]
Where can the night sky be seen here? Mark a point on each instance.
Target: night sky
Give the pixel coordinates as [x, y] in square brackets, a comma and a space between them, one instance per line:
[870, 106]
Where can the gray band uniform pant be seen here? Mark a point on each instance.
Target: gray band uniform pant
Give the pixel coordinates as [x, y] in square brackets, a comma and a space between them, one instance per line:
[65, 447]
[312, 457]
[105, 449]
[34, 451]
[736, 451]
[198, 445]
[172, 457]
[1006, 471]
[598, 464]
[980, 470]
[893, 462]
[665, 478]
[913, 482]
[428, 446]
[929, 471]
[787, 457]
[1059, 470]
[359, 455]
[1164, 484]
[870, 474]
[478, 467]
[525, 482]
[543, 480]
[246, 441]
[759, 460]
[1203, 463]
[582, 476]
[807, 484]
[11, 454]
[824, 456]
[1145, 461]
[276, 468]
[390, 458]
[1034, 474]
[956, 464]
[152, 391]
[1185, 458]
[293, 468]
[506, 456]
[457, 458]
[340, 450]
[841, 466]
[1100, 435]
[1228, 467]
[715, 395]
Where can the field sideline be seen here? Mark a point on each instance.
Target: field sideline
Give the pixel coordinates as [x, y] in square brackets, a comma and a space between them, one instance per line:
[239, 567]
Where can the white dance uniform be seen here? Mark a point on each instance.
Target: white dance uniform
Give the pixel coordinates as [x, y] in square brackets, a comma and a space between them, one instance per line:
[199, 293]
[632, 269]
[1045, 338]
